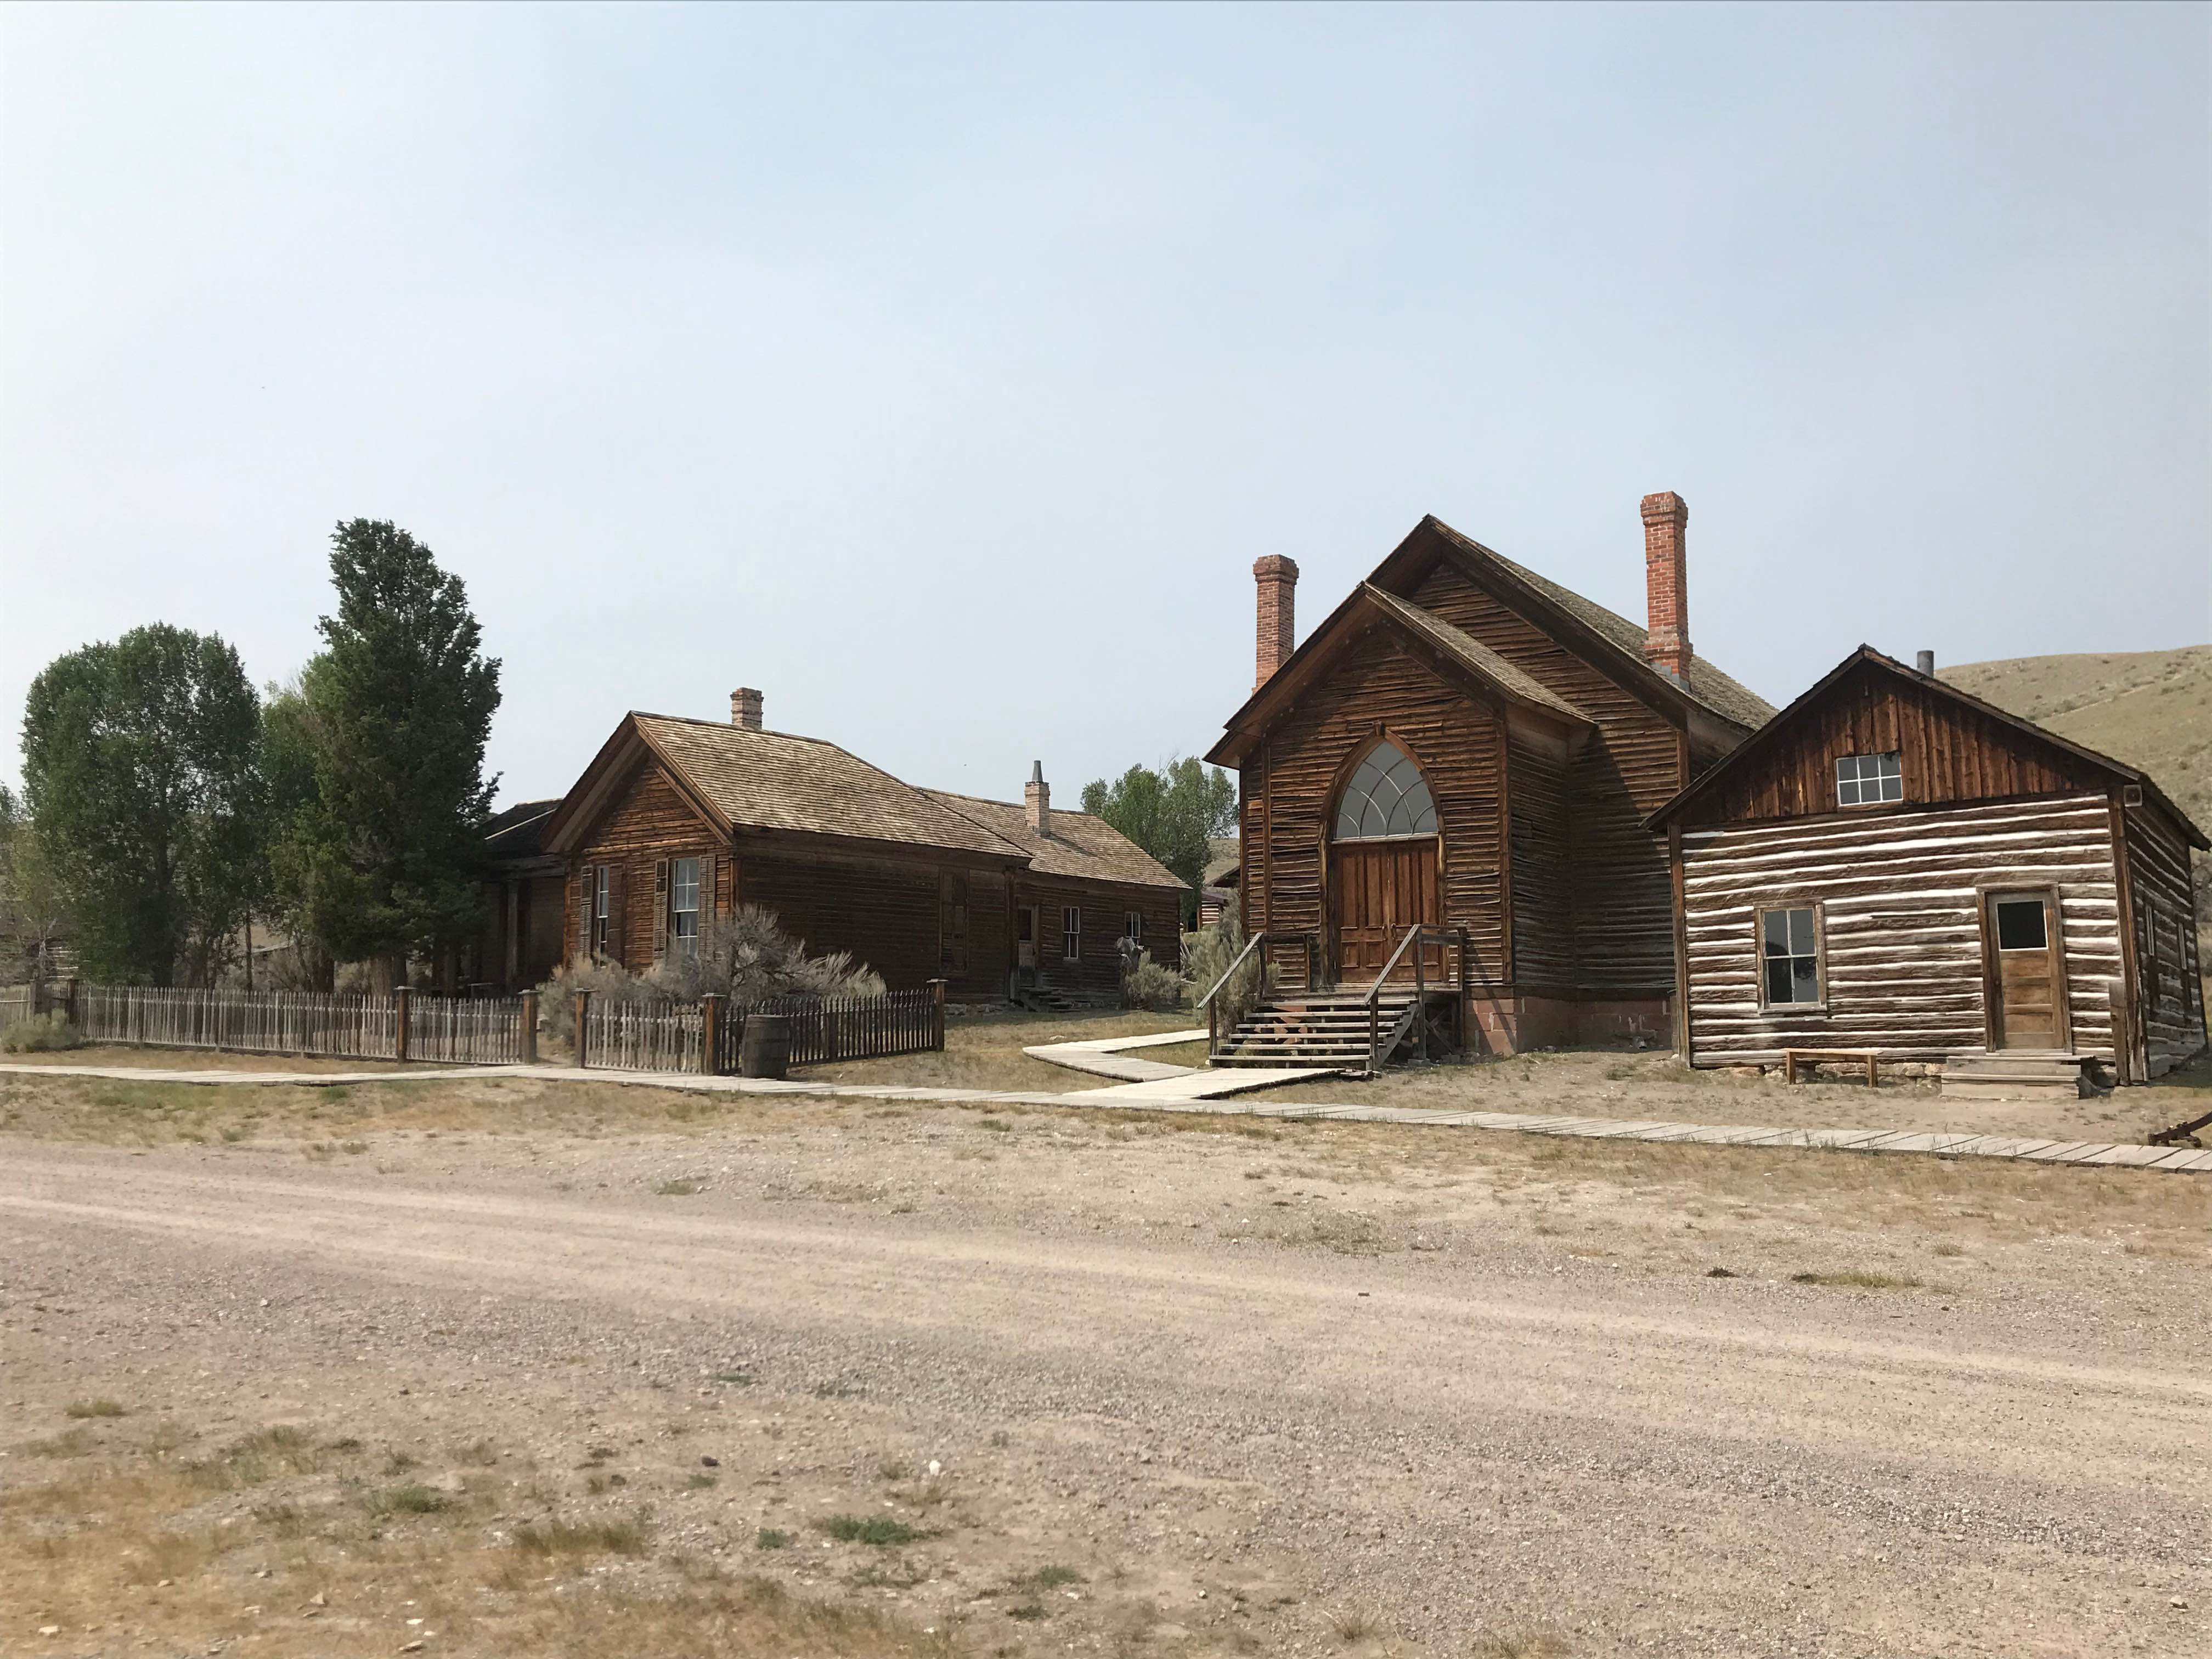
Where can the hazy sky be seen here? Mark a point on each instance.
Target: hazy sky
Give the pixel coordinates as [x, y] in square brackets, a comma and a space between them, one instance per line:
[942, 372]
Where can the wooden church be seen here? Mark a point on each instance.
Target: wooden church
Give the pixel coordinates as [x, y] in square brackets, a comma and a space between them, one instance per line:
[1465, 745]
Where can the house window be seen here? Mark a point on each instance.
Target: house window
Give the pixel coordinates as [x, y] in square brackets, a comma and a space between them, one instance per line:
[1868, 780]
[1132, 926]
[599, 873]
[1070, 932]
[1387, 797]
[684, 908]
[1790, 957]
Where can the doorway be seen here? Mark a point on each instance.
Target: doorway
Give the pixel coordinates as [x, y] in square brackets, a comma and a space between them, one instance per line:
[2025, 970]
[1382, 862]
[1025, 936]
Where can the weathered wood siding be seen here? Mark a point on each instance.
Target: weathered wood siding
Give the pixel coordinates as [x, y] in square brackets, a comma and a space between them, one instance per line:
[651, 822]
[1456, 741]
[883, 911]
[1901, 923]
[1542, 885]
[1947, 752]
[1623, 913]
[2169, 989]
[1104, 912]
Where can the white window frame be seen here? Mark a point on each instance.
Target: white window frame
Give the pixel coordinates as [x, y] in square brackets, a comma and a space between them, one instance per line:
[1855, 785]
[681, 943]
[1070, 932]
[600, 872]
[1133, 926]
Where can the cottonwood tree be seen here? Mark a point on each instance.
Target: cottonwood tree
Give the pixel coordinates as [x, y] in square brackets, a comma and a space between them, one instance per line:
[33, 912]
[1173, 811]
[380, 859]
[140, 772]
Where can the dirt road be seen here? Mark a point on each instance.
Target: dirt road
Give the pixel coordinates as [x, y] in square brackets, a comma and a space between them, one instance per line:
[1384, 1452]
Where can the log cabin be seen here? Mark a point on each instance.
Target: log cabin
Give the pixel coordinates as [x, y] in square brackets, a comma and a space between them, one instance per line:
[1465, 745]
[1890, 864]
[676, 821]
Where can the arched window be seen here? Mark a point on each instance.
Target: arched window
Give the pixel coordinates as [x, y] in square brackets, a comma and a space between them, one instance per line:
[1387, 796]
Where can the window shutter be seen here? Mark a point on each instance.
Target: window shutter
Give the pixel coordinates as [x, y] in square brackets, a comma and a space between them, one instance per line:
[617, 917]
[660, 899]
[709, 905]
[587, 881]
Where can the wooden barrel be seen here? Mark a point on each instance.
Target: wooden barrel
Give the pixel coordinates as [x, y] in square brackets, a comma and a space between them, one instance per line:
[765, 1048]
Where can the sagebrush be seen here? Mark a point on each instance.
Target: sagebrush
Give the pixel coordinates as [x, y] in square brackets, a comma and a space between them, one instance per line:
[746, 957]
[39, 1033]
[1146, 983]
[1206, 956]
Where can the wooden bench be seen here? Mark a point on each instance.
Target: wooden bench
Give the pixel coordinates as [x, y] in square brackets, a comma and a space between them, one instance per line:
[1870, 1058]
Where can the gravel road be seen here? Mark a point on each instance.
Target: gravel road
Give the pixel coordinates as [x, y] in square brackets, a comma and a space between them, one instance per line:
[1493, 1437]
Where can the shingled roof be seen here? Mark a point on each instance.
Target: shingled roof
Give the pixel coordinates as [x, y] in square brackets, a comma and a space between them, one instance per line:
[1079, 844]
[1473, 652]
[1723, 695]
[760, 780]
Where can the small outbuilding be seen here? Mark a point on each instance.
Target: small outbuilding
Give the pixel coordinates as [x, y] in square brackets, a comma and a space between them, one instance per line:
[1890, 864]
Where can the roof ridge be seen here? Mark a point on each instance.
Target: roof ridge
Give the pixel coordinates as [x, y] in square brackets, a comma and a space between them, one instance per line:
[993, 800]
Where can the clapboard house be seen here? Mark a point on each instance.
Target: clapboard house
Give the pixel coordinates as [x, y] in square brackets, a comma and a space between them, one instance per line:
[1465, 745]
[679, 821]
[1892, 863]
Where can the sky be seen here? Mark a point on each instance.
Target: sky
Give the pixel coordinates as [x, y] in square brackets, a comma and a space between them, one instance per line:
[942, 371]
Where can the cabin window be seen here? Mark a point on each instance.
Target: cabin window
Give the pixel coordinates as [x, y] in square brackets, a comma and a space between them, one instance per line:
[683, 907]
[1790, 957]
[2020, 925]
[1388, 796]
[1070, 932]
[1132, 926]
[600, 920]
[1868, 780]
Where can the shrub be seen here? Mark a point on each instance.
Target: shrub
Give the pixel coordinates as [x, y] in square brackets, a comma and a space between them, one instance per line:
[38, 1033]
[1206, 956]
[1148, 984]
[746, 957]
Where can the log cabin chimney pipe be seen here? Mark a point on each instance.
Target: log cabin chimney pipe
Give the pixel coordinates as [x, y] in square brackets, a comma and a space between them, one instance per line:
[1278, 578]
[1667, 584]
[1037, 800]
[746, 709]
[1925, 662]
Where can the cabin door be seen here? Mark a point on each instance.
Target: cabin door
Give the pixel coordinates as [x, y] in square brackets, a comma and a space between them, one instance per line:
[1026, 939]
[1377, 889]
[2026, 975]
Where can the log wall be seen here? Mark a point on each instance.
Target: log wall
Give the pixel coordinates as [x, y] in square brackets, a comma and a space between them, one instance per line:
[1542, 955]
[1901, 923]
[1104, 912]
[1293, 779]
[2169, 989]
[1622, 904]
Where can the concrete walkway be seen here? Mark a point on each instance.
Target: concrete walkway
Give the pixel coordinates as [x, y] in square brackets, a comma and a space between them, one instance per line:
[2169, 1160]
[1155, 1080]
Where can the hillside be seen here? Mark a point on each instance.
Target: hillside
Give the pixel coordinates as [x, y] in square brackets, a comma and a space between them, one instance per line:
[2150, 708]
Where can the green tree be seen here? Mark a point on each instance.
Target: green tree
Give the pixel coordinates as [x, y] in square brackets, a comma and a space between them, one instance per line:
[380, 859]
[140, 770]
[1173, 811]
[33, 912]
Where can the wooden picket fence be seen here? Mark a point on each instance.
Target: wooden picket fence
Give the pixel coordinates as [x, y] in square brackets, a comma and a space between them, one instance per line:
[17, 1002]
[399, 1025]
[671, 1036]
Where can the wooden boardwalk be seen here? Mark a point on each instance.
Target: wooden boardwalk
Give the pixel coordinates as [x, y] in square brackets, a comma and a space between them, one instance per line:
[2174, 1160]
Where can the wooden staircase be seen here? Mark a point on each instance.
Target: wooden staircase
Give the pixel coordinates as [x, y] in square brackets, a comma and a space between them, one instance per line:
[2015, 1074]
[1327, 1028]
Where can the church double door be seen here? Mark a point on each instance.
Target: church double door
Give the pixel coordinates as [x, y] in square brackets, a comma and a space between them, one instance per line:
[1377, 889]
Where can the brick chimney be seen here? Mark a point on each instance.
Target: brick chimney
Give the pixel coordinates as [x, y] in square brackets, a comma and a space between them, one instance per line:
[1278, 629]
[1667, 583]
[1036, 799]
[746, 709]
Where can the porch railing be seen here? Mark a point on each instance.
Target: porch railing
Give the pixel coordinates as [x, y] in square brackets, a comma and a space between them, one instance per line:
[1258, 942]
[1415, 1020]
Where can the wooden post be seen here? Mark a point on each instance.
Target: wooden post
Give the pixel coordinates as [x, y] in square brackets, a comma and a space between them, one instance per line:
[526, 1043]
[69, 1000]
[710, 1034]
[936, 1014]
[401, 995]
[1420, 989]
[583, 1026]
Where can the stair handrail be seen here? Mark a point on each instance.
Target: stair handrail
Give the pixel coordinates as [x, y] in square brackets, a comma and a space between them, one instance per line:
[1374, 997]
[1257, 941]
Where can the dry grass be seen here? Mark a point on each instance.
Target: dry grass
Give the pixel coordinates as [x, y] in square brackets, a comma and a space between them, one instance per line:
[986, 1053]
[279, 1539]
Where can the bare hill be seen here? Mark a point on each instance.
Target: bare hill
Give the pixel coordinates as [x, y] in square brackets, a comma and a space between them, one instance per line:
[2150, 708]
